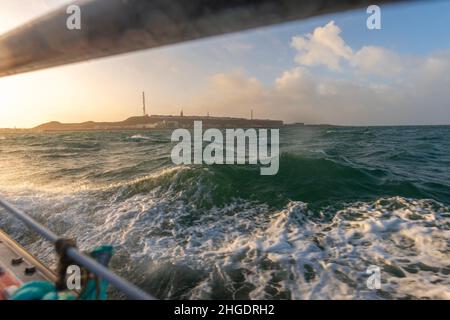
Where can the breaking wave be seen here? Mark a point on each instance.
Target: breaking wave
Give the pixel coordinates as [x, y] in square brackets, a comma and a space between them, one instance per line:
[177, 242]
[226, 232]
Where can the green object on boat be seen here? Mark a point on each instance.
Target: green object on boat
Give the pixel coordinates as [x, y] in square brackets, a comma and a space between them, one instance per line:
[45, 290]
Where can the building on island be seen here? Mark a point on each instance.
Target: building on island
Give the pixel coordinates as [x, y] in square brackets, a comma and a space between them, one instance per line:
[161, 122]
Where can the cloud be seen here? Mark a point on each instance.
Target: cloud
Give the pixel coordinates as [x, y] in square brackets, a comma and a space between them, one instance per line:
[380, 61]
[323, 47]
[299, 95]
[369, 86]
[234, 82]
[326, 47]
[296, 81]
[229, 94]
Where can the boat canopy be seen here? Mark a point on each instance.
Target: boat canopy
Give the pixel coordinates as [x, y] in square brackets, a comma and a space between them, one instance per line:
[111, 27]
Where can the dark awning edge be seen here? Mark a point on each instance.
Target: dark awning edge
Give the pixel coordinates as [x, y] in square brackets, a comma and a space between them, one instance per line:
[111, 27]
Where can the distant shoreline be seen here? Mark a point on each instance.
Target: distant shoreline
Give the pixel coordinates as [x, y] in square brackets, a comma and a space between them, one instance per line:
[32, 130]
[170, 122]
[154, 122]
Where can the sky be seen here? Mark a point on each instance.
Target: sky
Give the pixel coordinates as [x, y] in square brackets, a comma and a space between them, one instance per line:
[328, 69]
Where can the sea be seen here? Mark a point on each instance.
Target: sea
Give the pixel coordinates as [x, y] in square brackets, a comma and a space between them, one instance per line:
[345, 200]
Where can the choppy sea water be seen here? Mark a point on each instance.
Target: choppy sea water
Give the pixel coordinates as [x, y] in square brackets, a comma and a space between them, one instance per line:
[345, 198]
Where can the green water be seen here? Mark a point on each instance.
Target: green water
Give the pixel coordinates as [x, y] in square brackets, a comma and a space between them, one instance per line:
[344, 198]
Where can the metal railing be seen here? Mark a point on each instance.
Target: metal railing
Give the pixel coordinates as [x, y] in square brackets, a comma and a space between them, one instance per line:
[129, 289]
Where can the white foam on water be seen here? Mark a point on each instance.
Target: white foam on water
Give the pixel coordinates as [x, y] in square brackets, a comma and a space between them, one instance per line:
[288, 252]
[249, 250]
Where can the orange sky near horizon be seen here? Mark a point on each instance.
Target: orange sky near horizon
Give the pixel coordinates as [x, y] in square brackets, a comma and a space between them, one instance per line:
[327, 69]
[107, 89]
